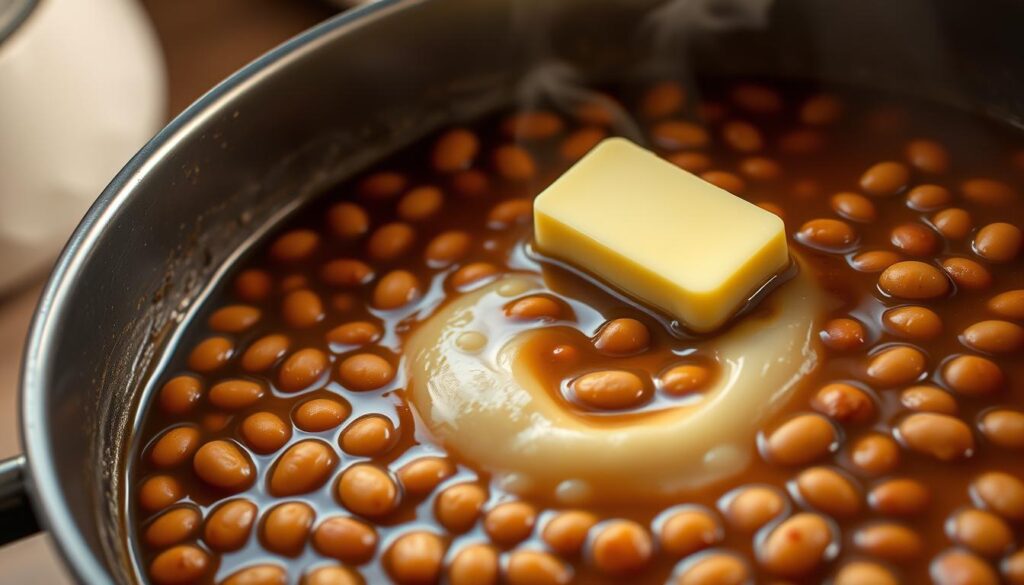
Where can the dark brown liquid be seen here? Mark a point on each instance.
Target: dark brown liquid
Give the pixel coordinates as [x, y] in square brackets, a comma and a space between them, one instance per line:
[872, 129]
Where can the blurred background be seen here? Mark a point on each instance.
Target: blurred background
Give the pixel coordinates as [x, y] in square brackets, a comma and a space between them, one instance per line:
[86, 83]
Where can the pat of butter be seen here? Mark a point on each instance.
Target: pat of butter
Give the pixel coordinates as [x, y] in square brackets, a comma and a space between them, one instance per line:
[660, 234]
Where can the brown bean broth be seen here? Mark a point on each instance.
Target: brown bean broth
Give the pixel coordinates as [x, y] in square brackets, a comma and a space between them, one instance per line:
[978, 149]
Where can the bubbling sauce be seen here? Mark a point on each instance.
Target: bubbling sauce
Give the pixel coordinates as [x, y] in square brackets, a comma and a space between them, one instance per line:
[294, 438]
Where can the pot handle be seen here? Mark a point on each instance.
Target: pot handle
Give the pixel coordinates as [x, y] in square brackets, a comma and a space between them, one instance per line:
[17, 520]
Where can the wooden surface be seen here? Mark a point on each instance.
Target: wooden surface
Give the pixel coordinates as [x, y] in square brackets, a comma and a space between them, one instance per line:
[203, 42]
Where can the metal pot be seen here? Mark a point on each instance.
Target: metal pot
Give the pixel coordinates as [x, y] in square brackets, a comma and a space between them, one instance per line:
[347, 92]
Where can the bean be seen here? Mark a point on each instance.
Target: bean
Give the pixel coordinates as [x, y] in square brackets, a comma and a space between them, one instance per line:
[1013, 568]
[956, 567]
[679, 135]
[420, 203]
[396, 289]
[346, 272]
[476, 564]
[761, 169]
[222, 464]
[532, 125]
[365, 371]
[382, 185]
[1008, 305]
[688, 531]
[367, 490]
[953, 223]
[302, 369]
[510, 212]
[998, 242]
[715, 569]
[348, 220]
[293, 282]
[421, 476]
[531, 567]
[567, 532]
[900, 497]
[346, 539]
[801, 439]
[472, 183]
[1000, 492]
[180, 394]
[797, 546]
[694, 162]
[320, 414]
[354, 333]
[756, 98]
[172, 527]
[994, 336]
[752, 507]
[458, 507]
[180, 564]
[928, 197]
[211, 354]
[233, 318]
[928, 156]
[514, 163]
[875, 454]
[685, 379]
[829, 491]
[609, 389]
[821, 110]
[844, 403]
[973, 375]
[286, 528]
[264, 352]
[875, 260]
[885, 178]
[915, 239]
[896, 366]
[455, 150]
[510, 523]
[843, 334]
[265, 574]
[294, 246]
[369, 436]
[913, 322]
[390, 241]
[854, 206]
[1004, 428]
[253, 285]
[303, 468]
[447, 248]
[174, 446]
[472, 274]
[159, 492]
[940, 436]
[967, 274]
[235, 394]
[597, 109]
[928, 399]
[913, 280]
[581, 142]
[535, 307]
[230, 524]
[726, 181]
[742, 136]
[622, 337]
[772, 208]
[622, 547]
[663, 99]
[981, 531]
[827, 234]
[802, 141]
[302, 309]
[889, 541]
[988, 192]
[416, 557]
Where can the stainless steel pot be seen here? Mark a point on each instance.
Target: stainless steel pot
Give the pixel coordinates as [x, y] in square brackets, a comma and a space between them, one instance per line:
[346, 93]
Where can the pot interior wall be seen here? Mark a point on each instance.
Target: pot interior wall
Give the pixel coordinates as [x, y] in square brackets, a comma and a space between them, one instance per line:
[349, 93]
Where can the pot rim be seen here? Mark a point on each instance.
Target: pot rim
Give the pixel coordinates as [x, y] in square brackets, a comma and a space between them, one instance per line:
[42, 487]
